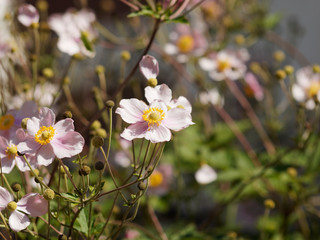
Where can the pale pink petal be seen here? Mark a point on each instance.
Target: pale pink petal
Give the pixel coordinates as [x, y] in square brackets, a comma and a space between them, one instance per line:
[7, 164]
[158, 134]
[67, 145]
[5, 198]
[18, 221]
[22, 165]
[28, 146]
[47, 117]
[310, 104]
[131, 110]
[28, 14]
[206, 64]
[205, 174]
[69, 45]
[149, 67]
[33, 126]
[29, 109]
[136, 130]
[254, 85]
[161, 92]
[33, 204]
[64, 126]
[20, 135]
[298, 93]
[3, 146]
[177, 119]
[45, 155]
[181, 102]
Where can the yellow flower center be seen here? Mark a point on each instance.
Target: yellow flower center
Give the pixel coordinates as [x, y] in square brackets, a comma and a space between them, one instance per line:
[223, 65]
[12, 206]
[6, 122]
[155, 179]
[12, 151]
[185, 43]
[44, 135]
[153, 116]
[314, 89]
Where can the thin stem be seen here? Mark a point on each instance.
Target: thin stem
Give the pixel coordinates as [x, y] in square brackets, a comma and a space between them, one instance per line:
[144, 159]
[34, 174]
[49, 220]
[156, 223]
[8, 185]
[52, 227]
[69, 176]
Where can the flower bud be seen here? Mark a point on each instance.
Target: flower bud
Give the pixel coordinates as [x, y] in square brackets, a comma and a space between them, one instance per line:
[84, 170]
[62, 171]
[100, 69]
[36, 171]
[292, 172]
[279, 56]
[38, 180]
[239, 39]
[99, 166]
[280, 74]
[78, 56]
[288, 69]
[66, 81]
[67, 114]
[316, 68]
[142, 186]
[255, 67]
[95, 125]
[269, 203]
[125, 55]
[42, 5]
[101, 133]
[47, 72]
[110, 104]
[63, 237]
[34, 25]
[97, 141]
[16, 187]
[152, 82]
[33, 57]
[24, 123]
[48, 194]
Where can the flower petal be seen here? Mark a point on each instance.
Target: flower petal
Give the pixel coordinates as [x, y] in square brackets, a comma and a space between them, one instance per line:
[5, 198]
[7, 164]
[149, 67]
[177, 119]
[161, 92]
[136, 130]
[33, 204]
[64, 126]
[18, 221]
[205, 174]
[68, 144]
[45, 155]
[28, 14]
[33, 125]
[47, 117]
[131, 110]
[158, 134]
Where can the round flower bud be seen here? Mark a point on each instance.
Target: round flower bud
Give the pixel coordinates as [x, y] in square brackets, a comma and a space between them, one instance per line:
[152, 82]
[110, 104]
[47, 72]
[63, 237]
[288, 69]
[62, 171]
[269, 203]
[24, 123]
[42, 5]
[16, 187]
[48, 194]
[26, 87]
[12, 206]
[100, 69]
[101, 133]
[99, 166]
[280, 74]
[292, 172]
[95, 125]
[255, 67]
[142, 186]
[37, 180]
[316, 68]
[36, 171]
[34, 25]
[66, 81]
[239, 39]
[67, 114]
[78, 56]
[33, 57]
[279, 56]
[97, 141]
[125, 55]
[84, 170]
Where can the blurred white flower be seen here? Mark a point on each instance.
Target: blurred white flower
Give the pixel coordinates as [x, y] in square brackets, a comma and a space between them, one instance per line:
[28, 14]
[212, 96]
[205, 174]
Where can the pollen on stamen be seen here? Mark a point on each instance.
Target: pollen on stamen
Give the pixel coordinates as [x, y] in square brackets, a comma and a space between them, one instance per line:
[44, 135]
[12, 151]
[153, 116]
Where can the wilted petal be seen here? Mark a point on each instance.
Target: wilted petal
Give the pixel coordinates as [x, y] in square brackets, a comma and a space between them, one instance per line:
[33, 204]
[18, 221]
[131, 110]
[149, 67]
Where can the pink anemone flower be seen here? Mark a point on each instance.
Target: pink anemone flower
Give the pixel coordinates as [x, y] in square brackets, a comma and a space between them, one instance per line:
[47, 139]
[31, 204]
[152, 122]
[27, 15]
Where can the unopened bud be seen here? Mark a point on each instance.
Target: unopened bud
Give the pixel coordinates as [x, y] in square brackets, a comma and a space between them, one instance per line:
[152, 82]
[101, 133]
[62, 170]
[100, 69]
[279, 56]
[66, 81]
[78, 56]
[38, 179]
[316, 68]
[239, 39]
[67, 114]
[288, 69]
[26, 87]
[269, 203]
[110, 104]
[84, 170]
[99, 166]
[97, 141]
[48, 194]
[42, 5]
[63, 237]
[142, 186]
[255, 67]
[47, 72]
[35, 171]
[125, 55]
[292, 172]
[34, 25]
[16, 187]
[33, 57]
[280, 74]
[95, 125]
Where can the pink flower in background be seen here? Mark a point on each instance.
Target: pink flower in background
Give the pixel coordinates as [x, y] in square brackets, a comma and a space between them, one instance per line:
[149, 67]
[307, 87]
[225, 64]
[253, 87]
[186, 41]
[47, 139]
[27, 15]
[163, 93]
[31, 204]
[152, 122]
[205, 174]
[75, 31]
[160, 180]
[9, 154]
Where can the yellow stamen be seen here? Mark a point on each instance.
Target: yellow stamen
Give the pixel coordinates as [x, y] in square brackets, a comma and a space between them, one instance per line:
[185, 43]
[314, 89]
[223, 65]
[6, 122]
[12, 206]
[12, 151]
[44, 135]
[180, 106]
[155, 179]
[153, 116]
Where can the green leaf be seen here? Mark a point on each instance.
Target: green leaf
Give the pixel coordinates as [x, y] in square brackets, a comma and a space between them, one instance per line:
[81, 223]
[71, 197]
[181, 19]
